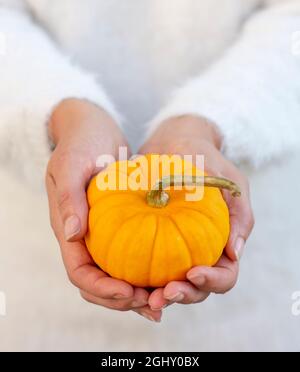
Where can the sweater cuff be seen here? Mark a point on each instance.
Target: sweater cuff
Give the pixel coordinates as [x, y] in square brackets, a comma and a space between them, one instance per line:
[35, 78]
[35, 117]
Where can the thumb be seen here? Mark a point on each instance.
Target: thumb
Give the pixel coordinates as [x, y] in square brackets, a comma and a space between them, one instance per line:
[242, 223]
[72, 201]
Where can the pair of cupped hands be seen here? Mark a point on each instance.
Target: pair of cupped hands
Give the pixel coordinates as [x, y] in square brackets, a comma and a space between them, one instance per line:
[82, 132]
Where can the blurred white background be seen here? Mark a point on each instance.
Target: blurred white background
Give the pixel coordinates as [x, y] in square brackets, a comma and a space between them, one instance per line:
[45, 313]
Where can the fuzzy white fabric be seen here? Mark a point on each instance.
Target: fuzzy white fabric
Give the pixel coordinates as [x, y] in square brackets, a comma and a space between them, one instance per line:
[35, 77]
[236, 56]
[140, 51]
[253, 92]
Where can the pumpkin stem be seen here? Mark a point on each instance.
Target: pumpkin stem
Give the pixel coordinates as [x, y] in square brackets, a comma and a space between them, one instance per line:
[159, 198]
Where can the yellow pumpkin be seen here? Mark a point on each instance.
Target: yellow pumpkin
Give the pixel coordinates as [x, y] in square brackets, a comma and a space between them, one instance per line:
[152, 236]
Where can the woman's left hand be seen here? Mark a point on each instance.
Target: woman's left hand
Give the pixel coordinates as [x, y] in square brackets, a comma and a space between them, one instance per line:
[189, 135]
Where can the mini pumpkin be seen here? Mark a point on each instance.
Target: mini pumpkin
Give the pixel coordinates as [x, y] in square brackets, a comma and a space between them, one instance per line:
[151, 235]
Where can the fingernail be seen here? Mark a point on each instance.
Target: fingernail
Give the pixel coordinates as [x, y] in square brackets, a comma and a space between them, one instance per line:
[72, 227]
[177, 297]
[239, 248]
[197, 279]
[149, 317]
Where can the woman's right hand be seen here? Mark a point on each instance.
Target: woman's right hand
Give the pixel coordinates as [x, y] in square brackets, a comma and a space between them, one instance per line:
[81, 133]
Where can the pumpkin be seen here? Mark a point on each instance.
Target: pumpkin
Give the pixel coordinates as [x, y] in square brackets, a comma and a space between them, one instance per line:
[151, 235]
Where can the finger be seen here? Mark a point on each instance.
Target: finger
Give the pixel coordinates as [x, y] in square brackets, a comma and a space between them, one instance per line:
[184, 293]
[116, 304]
[242, 223]
[55, 219]
[81, 269]
[149, 314]
[157, 301]
[219, 279]
[241, 214]
[55, 213]
[91, 279]
[70, 176]
[140, 298]
[110, 304]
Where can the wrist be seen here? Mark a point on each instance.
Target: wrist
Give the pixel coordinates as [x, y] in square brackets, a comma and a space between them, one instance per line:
[183, 129]
[73, 115]
[200, 128]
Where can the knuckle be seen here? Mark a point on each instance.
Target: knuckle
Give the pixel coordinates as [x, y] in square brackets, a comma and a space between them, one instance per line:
[202, 298]
[73, 279]
[50, 166]
[229, 287]
[250, 223]
[224, 291]
[63, 198]
[52, 221]
[54, 228]
[121, 306]
[84, 296]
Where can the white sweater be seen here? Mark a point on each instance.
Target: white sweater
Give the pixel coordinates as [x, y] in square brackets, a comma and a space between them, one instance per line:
[44, 313]
[234, 62]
